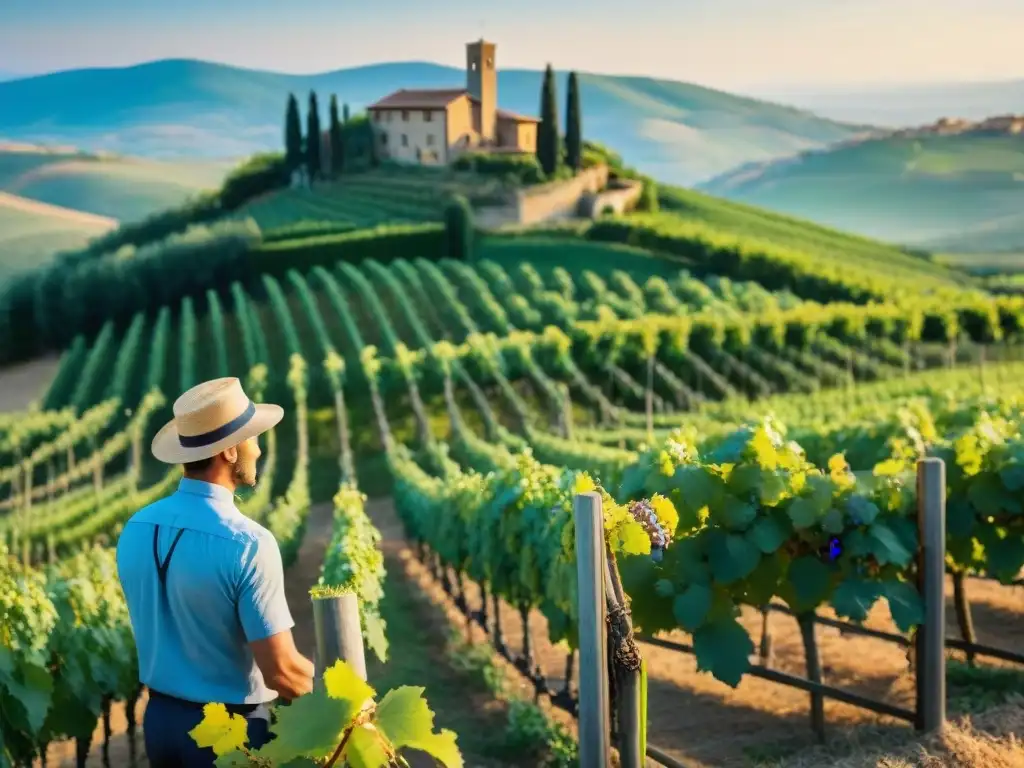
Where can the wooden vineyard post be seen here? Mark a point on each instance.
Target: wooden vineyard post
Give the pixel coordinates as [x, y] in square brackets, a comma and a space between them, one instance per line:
[930, 638]
[594, 721]
[626, 668]
[649, 399]
[26, 542]
[136, 458]
[338, 633]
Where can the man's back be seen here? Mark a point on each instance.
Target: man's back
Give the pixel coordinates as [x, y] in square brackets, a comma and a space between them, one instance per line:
[222, 588]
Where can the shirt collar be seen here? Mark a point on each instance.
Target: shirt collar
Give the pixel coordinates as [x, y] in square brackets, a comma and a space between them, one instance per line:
[203, 488]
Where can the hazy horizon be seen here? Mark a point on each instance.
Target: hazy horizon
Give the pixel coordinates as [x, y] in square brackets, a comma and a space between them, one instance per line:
[745, 45]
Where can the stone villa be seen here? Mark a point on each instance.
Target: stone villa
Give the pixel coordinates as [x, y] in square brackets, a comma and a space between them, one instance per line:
[433, 127]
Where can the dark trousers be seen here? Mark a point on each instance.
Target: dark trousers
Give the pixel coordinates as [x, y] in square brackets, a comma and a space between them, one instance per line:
[167, 722]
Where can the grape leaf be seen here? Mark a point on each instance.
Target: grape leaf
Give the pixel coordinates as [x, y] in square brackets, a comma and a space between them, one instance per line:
[854, 597]
[33, 692]
[905, 604]
[833, 521]
[691, 607]
[732, 557]
[1005, 556]
[342, 683]
[406, 721]
[987, 494]
[820, 497]
[699, 487]
[959, 517]
[1012, 476]
[764, 581]
[373, 631]
[773, 488]
[311, 726]
[811, 580]
[736, 514]
[365, 749]
[861, 510]
[802, 512]
[767, 534]
[885, 545]
[745, 479]
[686, 561]
[664, 588]
[222, 732]
[723, 648]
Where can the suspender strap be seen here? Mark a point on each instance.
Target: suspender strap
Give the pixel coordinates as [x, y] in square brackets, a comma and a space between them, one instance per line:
[161, 568]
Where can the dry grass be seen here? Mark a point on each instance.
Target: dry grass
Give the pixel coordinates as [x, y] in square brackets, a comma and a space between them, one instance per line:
[989, 740]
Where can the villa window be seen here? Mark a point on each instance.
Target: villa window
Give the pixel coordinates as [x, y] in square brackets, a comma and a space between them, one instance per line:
[430, 139]
[405, 116]
[405, 140]
[383, 139]
[427, 115]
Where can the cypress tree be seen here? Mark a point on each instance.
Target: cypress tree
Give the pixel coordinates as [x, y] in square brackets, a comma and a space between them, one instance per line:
[548, 139]
[458, 229]
[573, 128]
[313, 138]
[292, 135]
[344, 114]
[337, 144]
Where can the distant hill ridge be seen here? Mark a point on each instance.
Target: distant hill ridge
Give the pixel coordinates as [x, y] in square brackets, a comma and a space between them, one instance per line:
[954, 184]
[678, 132]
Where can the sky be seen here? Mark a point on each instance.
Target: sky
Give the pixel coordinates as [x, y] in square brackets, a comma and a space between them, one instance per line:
[729, 44]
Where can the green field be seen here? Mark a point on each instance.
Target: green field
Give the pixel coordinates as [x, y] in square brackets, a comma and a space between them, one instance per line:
[31, 233]
[959, 193]
[369, 198]
[123, 188]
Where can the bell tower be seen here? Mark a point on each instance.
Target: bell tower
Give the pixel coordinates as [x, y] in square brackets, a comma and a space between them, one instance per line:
[482, 84]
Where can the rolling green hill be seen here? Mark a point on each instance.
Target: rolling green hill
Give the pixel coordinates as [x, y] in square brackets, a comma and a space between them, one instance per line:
[961, 193]
[31, 232]
[122, 188]
[678, 132]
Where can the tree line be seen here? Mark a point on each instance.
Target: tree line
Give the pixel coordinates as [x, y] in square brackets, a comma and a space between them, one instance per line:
[550, 152]
[349, 140]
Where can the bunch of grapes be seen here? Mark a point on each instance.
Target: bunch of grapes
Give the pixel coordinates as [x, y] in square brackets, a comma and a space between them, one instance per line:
[643, 512]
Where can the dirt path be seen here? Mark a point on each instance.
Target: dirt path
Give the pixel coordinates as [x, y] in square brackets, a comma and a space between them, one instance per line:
[418, 635]
[22, 383]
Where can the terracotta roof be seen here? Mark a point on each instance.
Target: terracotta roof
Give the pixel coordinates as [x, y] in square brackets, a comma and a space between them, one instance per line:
[436, 98]
[504, 114]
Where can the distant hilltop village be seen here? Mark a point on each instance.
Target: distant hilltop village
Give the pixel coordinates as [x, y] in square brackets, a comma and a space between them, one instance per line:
[435, 126]
[954, 126]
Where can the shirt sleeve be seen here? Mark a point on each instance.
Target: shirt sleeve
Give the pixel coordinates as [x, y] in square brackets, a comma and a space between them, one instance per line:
[262, 606]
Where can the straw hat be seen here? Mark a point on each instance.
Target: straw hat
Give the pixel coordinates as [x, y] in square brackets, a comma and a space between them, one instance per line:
[210, 418]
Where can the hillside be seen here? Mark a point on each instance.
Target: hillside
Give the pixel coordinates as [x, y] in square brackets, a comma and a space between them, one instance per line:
[945, 187]
[122, 188]
[898, 105]
[31, 232]
[677, 131]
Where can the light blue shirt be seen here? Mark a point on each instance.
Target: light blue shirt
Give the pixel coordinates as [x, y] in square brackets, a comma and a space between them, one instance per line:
[224, 589]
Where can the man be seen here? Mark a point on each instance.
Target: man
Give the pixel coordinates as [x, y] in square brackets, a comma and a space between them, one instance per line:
[205, 584]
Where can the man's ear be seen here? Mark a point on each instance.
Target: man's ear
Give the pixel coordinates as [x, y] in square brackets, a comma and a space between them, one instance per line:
[230, 454]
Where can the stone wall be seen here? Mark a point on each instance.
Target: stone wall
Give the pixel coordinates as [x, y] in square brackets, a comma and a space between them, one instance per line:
[556, 200]
[560, 199]
[622, 197]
